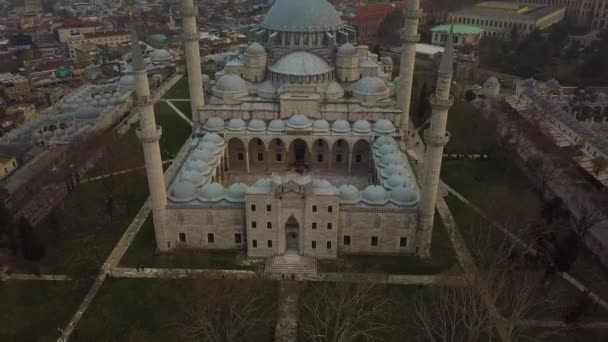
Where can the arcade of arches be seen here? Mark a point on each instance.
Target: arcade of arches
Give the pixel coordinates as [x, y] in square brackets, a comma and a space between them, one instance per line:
[278, 155]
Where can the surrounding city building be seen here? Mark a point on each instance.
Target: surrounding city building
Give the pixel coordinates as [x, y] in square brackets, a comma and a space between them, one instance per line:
[7, 166]
[106, 39]
[14, 87]
[501, 18]
[366, 18]
[300, 151]
[464, 35]
[590, 12]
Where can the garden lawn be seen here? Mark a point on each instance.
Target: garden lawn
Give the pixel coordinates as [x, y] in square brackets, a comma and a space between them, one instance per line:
[32, 310]
[180, 90]
[175, 130]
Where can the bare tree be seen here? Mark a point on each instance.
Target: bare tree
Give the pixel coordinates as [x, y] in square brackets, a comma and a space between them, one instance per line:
[544, 170]
[225, 310]
[340, 312]
[600, 164]
[587, 217]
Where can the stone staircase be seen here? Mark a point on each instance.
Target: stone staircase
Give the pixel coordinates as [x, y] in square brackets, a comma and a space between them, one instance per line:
[290, 266]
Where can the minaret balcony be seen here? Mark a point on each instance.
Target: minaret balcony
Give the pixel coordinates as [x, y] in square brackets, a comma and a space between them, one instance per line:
[441, 103]
[413, 14]
[433, 140]
[410, 38]
[149, 137]
[143, 101]
[190, 37]
[188, 12]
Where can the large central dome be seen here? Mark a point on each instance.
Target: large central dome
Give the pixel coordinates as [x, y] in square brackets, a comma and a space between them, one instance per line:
[302, 16]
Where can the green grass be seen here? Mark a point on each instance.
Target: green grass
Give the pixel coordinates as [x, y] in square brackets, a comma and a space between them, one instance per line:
[470, 132]
[442, 251]
[33, 310]
[184, 106]
[144, 310]
[87, 232]
[180, 90]
[175, 130]
[142, 252]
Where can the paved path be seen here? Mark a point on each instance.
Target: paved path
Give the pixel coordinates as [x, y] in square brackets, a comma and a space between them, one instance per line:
[122, 172]
[526, 246]
[560, 324]
[179, 112]
[121, 247]
[286, 329]
[47, 277]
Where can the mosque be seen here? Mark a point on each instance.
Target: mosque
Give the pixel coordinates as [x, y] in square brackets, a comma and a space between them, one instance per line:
[300, 145]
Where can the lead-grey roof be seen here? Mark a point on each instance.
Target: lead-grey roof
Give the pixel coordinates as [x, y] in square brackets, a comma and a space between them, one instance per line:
[301, 63]
[302, 16]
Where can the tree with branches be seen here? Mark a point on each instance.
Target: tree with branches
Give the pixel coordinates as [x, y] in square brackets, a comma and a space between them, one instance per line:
[600, 164]
[542, 169]
[335, 312]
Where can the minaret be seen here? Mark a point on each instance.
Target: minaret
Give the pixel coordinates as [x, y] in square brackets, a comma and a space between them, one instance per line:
[436, 137]
[150, 134]
[406, 68]
[193, 61]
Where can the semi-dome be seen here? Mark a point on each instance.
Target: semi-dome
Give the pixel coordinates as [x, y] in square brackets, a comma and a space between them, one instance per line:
[341, 126]
[212, 192]
[334, 90]
[230, 84]
[256, 126]
[347, 50]
[160, 55]
[236, 193]
[393, 169]
[362, 127]
[375, 195]
[299, 121]
[255, 49]
[302, 16]
[266, 89]
[404, 197]
[276, 126]
[323, 187]
[320, 126]
[301, 63]
[349, 194]
[384, 126]
[214, 124]
[394, 181]
[214, 138]
[193, 176]
[182, 191]
[236, 125]
[370, 86]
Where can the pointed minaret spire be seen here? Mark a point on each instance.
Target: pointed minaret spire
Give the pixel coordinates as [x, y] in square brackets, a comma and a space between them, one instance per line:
[447, 63]
[435, 138]
[137, 59]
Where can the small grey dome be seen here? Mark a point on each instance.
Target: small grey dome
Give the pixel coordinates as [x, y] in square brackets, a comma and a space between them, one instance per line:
[236, 193]
[209, 146]
[492, 82]
[127, 81]
[255, 49]
[299, 121]
[386, 149]
[323, 187]
[553, 84]
[182, 191]
[276, 126]
[341, 126]
[193, 176]
[204, 155]
[263, 183]
[384, 126]
[212, 192]
[404, 197]
[375, 195]
[87, 112]
[394, 181]
[347, 50]
[230, 84]
[236, 125]
[383, 140]
[256, 126]
[370, 86]
[349, 194]
[196, 165]
[386, 60]
[393, 158]
[160, 55]
[320, 126]
[214, 124]
[59, 132]
[362, 127]
[214, 138]
[393, 169]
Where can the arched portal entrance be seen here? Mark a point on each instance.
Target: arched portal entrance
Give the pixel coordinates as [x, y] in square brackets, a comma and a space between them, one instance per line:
[292, 235]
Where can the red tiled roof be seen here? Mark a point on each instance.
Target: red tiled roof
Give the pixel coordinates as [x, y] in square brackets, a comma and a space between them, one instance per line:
[375, 12]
